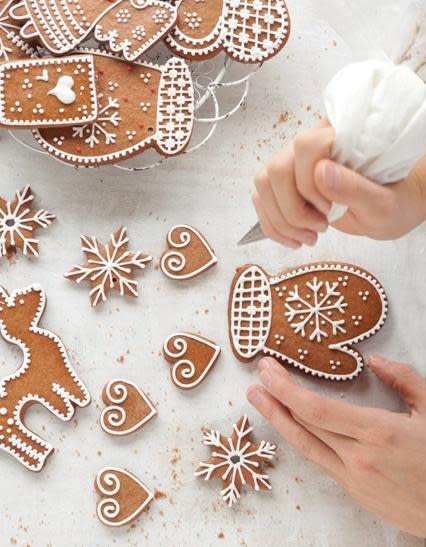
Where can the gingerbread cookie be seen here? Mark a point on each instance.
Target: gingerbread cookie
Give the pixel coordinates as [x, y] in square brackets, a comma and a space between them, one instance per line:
[190, 254]
[134, 26]
[18, 224]
[12, 47]
[191, 356]
[46, 376]
[128, 408]
[109, 266]
[237, 461]
[309, 317]
[48, 92]
[248, 31]
[123, 497]
[140, 106]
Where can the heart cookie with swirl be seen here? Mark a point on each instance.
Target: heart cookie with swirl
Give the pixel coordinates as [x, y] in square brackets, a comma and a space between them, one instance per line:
[191, 358]
[123, 497]
[128, 408]
[189, 253]
[309, 317]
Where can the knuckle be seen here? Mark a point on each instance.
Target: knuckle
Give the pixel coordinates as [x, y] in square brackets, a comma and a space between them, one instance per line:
[276, 167]
[315, 413]
[297, 216]
[303, 443]
[362, 462]
[261, 181]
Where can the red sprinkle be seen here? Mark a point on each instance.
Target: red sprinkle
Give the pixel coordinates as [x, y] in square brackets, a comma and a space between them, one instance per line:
[152, 89]
[129, 68]
[126, 99]
[78, 149]
[141, 125]
[101, 72]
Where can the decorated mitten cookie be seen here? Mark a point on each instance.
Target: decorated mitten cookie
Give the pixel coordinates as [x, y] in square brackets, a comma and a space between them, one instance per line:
[12, 47]
[249, 31]
[191, 358]
[18, 224]
[140, 106]
[109, 266]
[123, 497]
[46, 376]
[48, 92]
[134, 26]
[309, 317]
[127, 410]
[189, 253]
[237, 460]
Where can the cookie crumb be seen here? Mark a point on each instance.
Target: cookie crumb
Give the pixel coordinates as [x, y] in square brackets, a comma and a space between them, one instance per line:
[221, 535]
[158, 495]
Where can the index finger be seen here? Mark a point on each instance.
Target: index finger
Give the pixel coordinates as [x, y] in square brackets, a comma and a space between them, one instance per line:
[328, 414]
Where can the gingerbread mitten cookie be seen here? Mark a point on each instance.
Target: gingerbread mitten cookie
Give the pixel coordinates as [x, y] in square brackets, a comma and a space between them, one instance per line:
[248, 31]
[109, 266]
[309, 317]
[237, 460]
[12, 47]
[191, 358]
[189, 253]
[123, 497]
[46, 376]
[128, 408]
[140, 106]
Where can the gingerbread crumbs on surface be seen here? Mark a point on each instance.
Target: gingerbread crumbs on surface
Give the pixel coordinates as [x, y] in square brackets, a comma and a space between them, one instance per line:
[221, 535]
[158, 494]
[120, 359]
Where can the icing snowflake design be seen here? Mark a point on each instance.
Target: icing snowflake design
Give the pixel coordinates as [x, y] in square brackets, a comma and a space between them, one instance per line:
[109, 266]
[18, 223]
[8, 30]
[92, 133]
[316, 309]
[139, 33]
[237, 461]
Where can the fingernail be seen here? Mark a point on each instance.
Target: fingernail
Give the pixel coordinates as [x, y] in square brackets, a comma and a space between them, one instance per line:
[331, 175]
[266, 378]
[253, 395]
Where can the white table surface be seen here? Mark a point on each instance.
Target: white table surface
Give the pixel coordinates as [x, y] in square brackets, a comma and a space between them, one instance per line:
[57, 507]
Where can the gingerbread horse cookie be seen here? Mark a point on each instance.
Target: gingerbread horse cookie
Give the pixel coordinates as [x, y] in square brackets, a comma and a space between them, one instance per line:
[309, 317]
[249, 31]
[46, 376]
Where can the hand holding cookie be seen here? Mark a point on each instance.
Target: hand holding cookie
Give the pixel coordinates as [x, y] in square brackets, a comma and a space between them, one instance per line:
[295, 189]
[377, 456]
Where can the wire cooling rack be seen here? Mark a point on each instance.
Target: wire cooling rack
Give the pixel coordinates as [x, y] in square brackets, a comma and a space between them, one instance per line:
[221, 86]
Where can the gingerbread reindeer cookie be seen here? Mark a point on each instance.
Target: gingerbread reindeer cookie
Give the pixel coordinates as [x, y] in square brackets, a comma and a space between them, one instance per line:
[48, 92]
[249, 31]
[46, 376]
[141, 106]
[309, 317]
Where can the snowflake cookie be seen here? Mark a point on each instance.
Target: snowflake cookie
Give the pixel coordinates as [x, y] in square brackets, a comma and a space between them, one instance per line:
[46, 376]
[309, 317]
[18, 224]
[123, 497]
[109, 266]
[249, 31]
[237, 461]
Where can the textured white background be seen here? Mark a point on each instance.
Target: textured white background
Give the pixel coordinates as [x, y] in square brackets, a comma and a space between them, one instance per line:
[209, 189]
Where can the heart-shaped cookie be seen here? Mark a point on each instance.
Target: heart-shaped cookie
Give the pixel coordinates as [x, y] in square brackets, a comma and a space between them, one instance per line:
[309, 317]
[123, 497]
[191, 356]
[190, 254]
[128, 408]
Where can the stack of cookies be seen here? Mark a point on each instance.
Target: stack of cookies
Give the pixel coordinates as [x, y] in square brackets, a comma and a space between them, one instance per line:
[88, 106]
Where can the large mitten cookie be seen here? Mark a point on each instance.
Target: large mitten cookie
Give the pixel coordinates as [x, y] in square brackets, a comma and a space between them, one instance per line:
[46, 376]
[309, 317]
[249, 31]
[12, 47]
[140, 106]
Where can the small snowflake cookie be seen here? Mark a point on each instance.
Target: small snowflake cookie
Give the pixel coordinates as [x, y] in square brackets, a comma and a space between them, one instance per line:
[123, 497]
[141, 106]
[46, 376]
[18, 224]
[36, 93]
[109, 266]
[237, 461]
[127, 410]
[191, 358]
[249, 31]
[309, 317]
[189, 253]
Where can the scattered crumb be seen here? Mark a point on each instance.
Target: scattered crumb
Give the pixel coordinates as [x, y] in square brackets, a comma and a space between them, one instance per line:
[120, 359]
[221, 535]
[298, 508]
[158, 495]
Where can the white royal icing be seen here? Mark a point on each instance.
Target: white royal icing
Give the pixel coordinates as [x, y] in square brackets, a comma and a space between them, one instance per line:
[114, 415]
[63, 90]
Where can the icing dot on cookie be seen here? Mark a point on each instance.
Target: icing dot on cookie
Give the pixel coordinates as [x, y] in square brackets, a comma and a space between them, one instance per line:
[10, 421]
[3, 411]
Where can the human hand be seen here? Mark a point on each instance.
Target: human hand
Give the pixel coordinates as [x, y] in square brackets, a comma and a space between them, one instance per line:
[295, 189]
[379, 457]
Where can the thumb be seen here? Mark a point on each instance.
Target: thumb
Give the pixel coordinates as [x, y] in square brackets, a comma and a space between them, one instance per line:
[342, 185]
[404, 379]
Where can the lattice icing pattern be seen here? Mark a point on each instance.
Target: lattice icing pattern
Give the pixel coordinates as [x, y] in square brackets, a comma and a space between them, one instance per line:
[309, 317]
[141, 105]
[250, 31]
